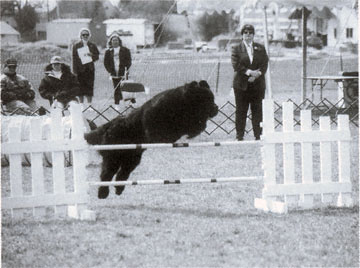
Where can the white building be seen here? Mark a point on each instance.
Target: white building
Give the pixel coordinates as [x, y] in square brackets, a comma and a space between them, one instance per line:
[9, 36]
[343, 28]
[142, 31]
[63, 32]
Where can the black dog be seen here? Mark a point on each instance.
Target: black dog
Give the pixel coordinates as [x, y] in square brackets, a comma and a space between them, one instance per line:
[165, 118]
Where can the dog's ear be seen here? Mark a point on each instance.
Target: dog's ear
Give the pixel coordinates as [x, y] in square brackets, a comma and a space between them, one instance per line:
[192, 85]
[203, 83]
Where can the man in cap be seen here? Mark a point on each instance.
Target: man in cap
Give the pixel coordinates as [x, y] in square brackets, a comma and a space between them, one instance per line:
[17, 94]
[250, 62]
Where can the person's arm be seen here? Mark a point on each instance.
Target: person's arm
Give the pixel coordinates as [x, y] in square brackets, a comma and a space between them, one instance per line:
[107, 61]
[6, 94]
[75, 59]
[236, 61]
[265, 61]
[128, 62]
[94, 52]
[45, 91]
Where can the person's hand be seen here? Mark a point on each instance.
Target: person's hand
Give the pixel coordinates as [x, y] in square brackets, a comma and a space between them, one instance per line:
[257, 74]
[251, 79]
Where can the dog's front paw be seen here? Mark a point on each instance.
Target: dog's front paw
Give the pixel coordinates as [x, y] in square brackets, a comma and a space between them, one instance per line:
[103, 192]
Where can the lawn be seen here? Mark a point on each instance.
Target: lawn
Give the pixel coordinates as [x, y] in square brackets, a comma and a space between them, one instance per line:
[197, 225]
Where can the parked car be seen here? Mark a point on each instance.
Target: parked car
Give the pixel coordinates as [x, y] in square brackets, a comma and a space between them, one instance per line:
[314, 41]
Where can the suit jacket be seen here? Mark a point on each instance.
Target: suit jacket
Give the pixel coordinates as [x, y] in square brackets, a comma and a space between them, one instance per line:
[78, 67]
[124, 57]
[241, 63]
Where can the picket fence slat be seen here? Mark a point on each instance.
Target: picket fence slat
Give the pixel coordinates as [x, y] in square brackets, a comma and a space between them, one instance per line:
[288, 150]
[16, 188]
[325, 158]
[307, 200]
[344, 162]
[37, 170]
[58, 161]
[79, 157]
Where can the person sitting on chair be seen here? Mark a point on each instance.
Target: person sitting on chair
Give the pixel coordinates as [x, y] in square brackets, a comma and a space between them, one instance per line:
[117, 61]
[59, 86]
[17, 93]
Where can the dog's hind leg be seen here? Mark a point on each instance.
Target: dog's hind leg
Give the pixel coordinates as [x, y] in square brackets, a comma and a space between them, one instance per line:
[132, 160]
[108, 169]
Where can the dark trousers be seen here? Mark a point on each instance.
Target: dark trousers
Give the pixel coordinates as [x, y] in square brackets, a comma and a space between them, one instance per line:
[243, 100]
[117, 93]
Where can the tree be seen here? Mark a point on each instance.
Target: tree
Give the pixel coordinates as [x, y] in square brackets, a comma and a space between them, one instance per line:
[26, 19]
[213, 25]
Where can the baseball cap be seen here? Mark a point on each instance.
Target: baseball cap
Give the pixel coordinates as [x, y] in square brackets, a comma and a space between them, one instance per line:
[248, 27]
[56, 59]
[11, 62]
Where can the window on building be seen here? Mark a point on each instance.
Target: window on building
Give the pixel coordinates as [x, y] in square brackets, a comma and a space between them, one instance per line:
[349, 32]
[335, 33]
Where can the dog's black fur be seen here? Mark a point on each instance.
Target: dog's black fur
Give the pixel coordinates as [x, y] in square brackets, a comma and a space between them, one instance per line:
[165, 118]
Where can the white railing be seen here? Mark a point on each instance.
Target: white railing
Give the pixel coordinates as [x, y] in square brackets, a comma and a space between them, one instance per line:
[276, 196]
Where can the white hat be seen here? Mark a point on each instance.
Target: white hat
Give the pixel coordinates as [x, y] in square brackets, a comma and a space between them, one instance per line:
[56, 59]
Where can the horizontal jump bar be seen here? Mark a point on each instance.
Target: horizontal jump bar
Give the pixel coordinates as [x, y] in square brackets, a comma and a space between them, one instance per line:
[168, 145]
[177, 181]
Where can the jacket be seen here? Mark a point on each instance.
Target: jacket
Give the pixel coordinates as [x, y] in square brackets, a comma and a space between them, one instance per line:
[78, 67]
[241, 63]
[15, 87]
[125, 61]
[63, 90]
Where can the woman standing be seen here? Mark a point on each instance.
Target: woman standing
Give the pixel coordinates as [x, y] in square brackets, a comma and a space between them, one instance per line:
[117, 62]
[84, 54]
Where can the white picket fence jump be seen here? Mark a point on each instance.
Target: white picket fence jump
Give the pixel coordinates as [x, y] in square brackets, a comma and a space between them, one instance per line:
[302, 193]
[276, 196]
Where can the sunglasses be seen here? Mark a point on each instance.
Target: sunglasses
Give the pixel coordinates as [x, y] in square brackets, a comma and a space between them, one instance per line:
[85, 35]
[247, 32]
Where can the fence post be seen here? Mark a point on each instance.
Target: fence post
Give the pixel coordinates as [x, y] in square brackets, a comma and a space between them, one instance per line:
[306, 200]
[81, 187]
[325, 158]
[16, 189]
[37, 170]
[58, 163]
[344, 199]
[288, 149]
[268, 202]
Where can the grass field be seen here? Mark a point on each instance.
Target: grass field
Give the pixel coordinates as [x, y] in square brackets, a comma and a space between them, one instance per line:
[198, 225]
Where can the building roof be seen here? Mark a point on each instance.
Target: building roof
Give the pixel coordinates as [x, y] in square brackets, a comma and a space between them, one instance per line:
[126, 21]
[7, 29]
[83, 20]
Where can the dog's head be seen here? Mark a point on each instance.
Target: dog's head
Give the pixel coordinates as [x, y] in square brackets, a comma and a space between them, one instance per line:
[201, 106]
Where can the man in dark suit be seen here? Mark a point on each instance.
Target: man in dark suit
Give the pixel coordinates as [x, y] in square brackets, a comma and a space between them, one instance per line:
[117, 61]
[250, 62]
